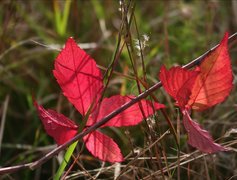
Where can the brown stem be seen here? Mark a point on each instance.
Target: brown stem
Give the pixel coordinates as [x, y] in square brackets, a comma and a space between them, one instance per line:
[104, 120]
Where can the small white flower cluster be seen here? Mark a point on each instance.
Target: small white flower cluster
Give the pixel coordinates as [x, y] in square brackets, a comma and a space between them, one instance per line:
[140, 46]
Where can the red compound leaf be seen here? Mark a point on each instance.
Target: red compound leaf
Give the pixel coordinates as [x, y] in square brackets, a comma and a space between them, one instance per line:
[199, 89]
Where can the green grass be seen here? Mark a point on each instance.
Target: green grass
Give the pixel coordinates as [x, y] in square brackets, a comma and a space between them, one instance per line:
[179, 31]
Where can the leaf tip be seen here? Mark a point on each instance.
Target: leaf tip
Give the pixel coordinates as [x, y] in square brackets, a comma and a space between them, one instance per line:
[225, 39]
[162, 69]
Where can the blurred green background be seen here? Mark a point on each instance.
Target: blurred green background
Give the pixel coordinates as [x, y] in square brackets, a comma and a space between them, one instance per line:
[175, 32]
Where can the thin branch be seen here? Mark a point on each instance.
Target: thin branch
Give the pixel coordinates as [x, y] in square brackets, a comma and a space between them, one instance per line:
[198, 60]
[104, 120]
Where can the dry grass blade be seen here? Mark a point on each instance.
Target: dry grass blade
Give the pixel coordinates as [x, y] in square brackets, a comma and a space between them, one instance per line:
[3, 120]
[142, 153]
[187, 158]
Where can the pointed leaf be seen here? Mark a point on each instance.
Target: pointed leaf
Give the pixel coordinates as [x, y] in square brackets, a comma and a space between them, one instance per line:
[214, 82]
[129, 117]
[78, 76]
[198, 137]
[103, 147]
[57, 125]
[178, 83]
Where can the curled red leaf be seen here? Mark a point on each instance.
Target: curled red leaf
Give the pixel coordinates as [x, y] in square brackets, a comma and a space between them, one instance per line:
[198, 137]
[178, 83]
[59, 127]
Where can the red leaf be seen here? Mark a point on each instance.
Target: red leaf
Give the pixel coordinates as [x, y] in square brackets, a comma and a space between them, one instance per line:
[178, 83]
[78, 76]
[57, 125]
[129, 117]
[198, 137]
[214, 82]
[103, 147]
